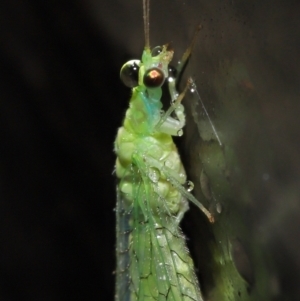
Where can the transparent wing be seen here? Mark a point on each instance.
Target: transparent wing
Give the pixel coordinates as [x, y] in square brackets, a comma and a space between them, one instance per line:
[123, 230]
[153, 261]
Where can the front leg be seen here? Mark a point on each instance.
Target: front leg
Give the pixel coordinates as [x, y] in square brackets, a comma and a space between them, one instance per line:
[170, 125]
[176, 184]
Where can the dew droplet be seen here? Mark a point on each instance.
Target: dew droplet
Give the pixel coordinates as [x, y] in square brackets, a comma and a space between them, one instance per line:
[180, 133]
[181, 175]
[190, 186]
[174, 99]
[154, 174]
[168, 164]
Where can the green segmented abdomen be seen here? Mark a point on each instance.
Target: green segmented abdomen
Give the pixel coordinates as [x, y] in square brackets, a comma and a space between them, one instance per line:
[153, 262]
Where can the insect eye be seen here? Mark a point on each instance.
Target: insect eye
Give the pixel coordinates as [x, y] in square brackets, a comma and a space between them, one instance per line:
[154, 78]
[129, 73]
[156, 50]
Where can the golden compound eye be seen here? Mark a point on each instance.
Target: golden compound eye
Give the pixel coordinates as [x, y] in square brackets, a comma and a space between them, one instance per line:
[154, 78]
[130, 73]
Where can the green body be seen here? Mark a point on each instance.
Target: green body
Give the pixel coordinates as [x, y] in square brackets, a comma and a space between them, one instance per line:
[153, 262]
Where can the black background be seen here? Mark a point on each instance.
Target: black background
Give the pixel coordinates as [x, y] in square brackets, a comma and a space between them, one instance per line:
[60, 96]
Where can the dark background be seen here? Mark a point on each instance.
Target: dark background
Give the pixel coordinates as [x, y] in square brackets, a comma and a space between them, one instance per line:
[61, 102]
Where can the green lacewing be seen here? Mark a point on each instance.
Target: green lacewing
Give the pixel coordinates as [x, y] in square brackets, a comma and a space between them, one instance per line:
[153, 262]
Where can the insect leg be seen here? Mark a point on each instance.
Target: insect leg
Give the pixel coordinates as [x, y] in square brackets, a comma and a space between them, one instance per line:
[170, 125]
[176, 181]
[175, 74]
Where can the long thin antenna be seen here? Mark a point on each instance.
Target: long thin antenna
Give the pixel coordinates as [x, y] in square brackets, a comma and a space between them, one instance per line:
[193, 89]
[183, 61]
[146, 10]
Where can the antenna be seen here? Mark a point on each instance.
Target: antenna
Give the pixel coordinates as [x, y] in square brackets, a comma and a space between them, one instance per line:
[187, 54]
[146, 11]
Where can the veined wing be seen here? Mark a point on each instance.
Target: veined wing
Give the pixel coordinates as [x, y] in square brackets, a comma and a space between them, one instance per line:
[123, 231]
[157, 265]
